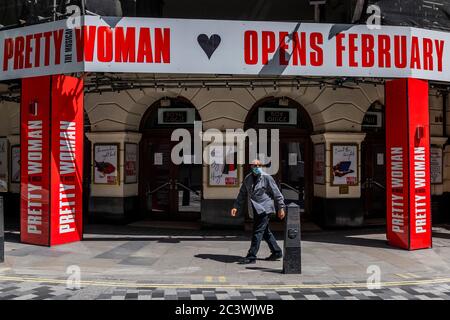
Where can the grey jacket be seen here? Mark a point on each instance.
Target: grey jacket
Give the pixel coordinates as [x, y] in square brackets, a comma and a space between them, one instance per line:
[262, 196]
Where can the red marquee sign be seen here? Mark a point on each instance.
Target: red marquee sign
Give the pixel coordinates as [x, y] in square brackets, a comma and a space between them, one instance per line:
[180, 46]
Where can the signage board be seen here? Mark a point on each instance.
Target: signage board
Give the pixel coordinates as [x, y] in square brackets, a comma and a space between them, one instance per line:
[280, 116]
[436, 167]
[187, 46]
[372, 119]
[171, 116]
[131, 162]
[319, 163]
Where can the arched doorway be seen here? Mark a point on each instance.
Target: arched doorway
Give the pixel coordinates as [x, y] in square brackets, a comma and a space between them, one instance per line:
[168, 191]
[294, 176]
[373, 159]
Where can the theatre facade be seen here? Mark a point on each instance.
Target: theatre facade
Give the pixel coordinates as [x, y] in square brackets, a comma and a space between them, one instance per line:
[356, 143]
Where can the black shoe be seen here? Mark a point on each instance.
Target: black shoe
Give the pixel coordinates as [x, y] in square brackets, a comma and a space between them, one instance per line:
[247, 261]
[274, 257]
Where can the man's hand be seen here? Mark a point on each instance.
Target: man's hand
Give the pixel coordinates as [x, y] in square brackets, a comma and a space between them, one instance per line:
[281, 214]
[233, 212]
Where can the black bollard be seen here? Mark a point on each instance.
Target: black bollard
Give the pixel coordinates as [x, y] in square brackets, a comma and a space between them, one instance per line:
[292, 258]
[2, 231]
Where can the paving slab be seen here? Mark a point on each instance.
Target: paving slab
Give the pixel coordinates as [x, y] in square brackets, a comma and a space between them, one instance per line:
[129, 262]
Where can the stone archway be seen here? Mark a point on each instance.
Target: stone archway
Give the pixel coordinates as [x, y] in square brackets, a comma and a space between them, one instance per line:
[293, 171]
[168, 191]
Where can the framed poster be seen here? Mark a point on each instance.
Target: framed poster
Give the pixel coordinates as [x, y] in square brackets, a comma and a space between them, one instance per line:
[319, 163]
[106, 163]
[344, 164]
[4, 165]
[131, 163]
[436, 172]
[224, 173]
[15, 164]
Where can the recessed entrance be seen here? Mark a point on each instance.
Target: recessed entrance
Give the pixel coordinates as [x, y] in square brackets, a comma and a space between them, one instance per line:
[373, 159]
[294, 176]
[168, 191]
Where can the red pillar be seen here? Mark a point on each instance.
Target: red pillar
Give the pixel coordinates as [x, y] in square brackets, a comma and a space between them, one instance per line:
[51, 160]
[408, 164]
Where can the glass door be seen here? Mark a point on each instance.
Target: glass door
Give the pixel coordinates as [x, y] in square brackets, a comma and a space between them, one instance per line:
[291, 175]
[374, 178]
[169, 191]
[158, 182]
[188, 186]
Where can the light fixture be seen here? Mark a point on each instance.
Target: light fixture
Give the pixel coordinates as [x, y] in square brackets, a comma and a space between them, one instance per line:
[165, 102]
[33, 108]
[419, 132]
[284, 102]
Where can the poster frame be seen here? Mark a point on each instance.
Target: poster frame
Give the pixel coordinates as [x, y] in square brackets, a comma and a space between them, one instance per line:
[324, 163]
[8, 160]
[238, 177]
[113, 144]
[126, 146]
[441, 178]
[332, 182]
[11, 148]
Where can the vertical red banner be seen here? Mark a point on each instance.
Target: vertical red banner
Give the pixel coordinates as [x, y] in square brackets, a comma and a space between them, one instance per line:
[408, 164]
[35, 161]
[419, 169]
[51, 160]
[67, 159]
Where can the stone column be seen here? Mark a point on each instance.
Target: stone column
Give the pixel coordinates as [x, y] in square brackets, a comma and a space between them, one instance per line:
[119, 200]
[335, 203]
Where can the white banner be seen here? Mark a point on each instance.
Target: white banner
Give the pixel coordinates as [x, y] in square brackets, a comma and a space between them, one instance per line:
[150, 45]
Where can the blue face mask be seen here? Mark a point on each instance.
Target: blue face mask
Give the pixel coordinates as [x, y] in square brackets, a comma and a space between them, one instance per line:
[256, 171]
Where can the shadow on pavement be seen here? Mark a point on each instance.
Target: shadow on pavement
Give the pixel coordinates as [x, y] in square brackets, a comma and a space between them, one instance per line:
[13, 237]
[359, 238]
[219, 257]
[441, 235]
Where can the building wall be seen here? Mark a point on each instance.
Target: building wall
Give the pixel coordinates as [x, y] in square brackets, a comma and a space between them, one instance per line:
[340, 110]
[336, 115]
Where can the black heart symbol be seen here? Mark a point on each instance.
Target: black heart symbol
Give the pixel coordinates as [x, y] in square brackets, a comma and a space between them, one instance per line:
[209, 45]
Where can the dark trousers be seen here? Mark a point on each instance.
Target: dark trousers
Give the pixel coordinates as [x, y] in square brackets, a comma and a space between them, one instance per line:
[261, 231]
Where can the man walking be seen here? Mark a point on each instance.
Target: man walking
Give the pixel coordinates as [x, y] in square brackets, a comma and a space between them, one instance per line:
[263, 192]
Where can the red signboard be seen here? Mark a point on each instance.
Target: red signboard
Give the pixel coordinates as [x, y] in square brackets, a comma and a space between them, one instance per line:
[408, 164]
[67, 159]
[51, 160]
[35, 161]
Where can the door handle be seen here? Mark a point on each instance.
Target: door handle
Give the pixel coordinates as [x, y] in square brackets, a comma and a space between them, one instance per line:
[379, 185]
[367, 183]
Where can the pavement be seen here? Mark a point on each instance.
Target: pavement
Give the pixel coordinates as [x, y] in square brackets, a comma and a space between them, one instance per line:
[129, 262]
